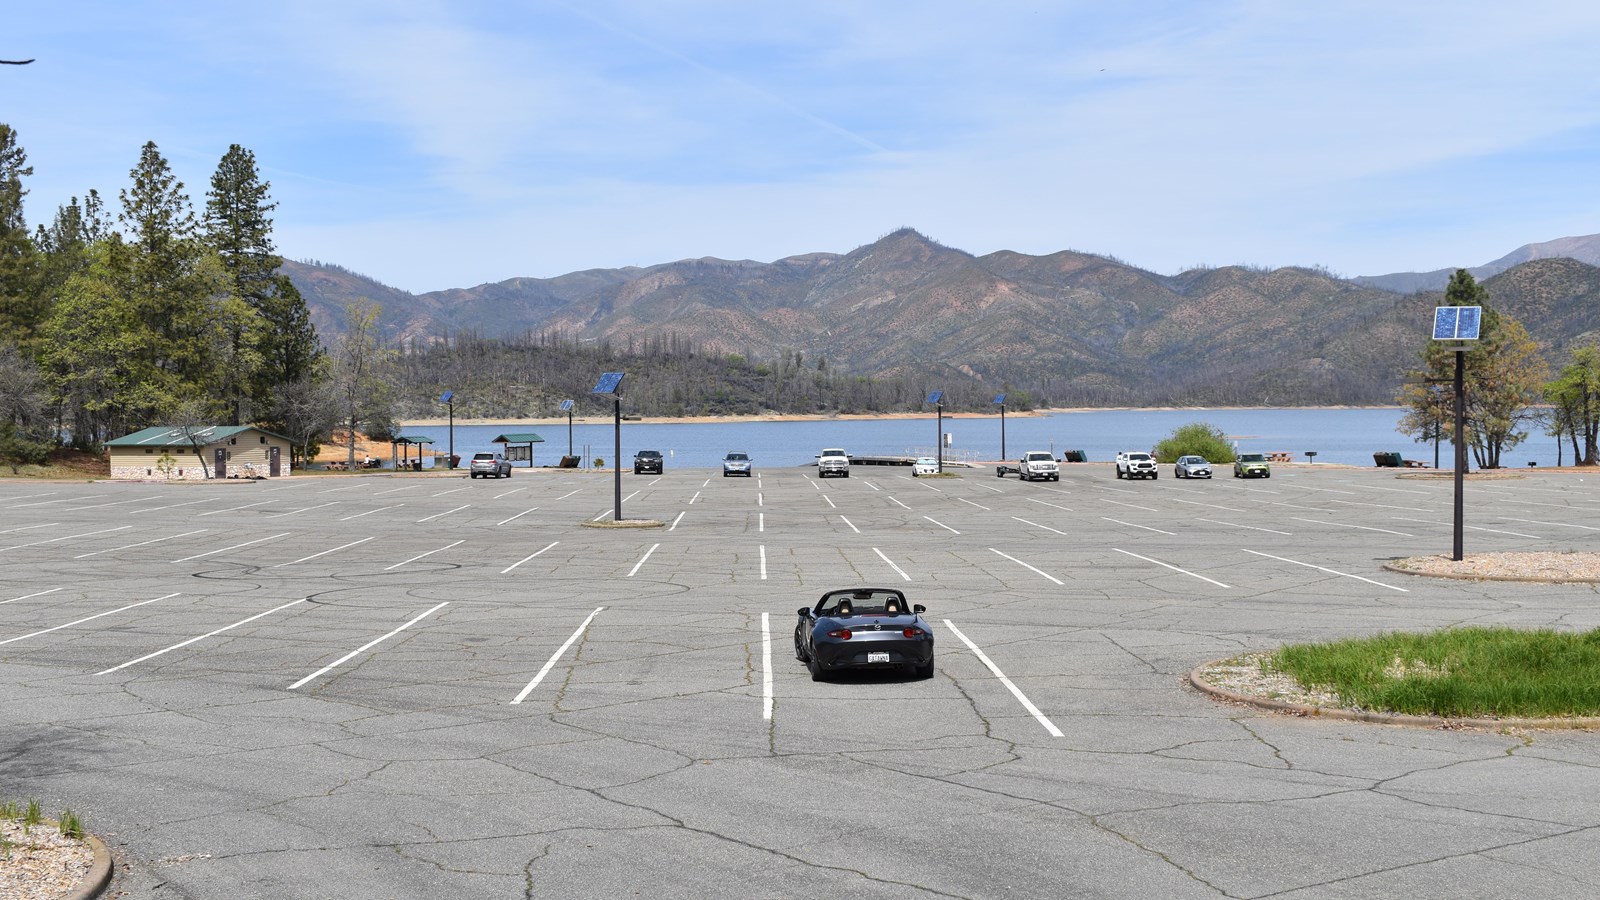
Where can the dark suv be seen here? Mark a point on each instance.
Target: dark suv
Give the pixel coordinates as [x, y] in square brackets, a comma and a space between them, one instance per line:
[647, 462]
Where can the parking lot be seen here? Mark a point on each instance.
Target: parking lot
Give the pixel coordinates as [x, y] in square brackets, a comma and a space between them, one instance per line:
[413, 686]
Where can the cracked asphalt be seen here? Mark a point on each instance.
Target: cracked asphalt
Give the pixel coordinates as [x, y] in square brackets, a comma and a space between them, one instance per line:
[310, 688]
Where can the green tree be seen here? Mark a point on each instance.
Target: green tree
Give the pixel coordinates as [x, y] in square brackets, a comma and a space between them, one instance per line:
[359, 372]
[1504, 377]
[21, 310]
[1195, 439]
[239, 230]
[24, 429]
[1574, 396]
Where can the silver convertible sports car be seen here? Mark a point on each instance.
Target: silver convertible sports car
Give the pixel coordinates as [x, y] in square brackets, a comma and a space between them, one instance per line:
[864, 628]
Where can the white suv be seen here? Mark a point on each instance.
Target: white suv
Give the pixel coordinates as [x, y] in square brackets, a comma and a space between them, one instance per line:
[486, 464]
[833, 462]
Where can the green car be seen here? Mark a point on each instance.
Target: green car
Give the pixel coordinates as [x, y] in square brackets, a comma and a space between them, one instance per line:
[1251, 465]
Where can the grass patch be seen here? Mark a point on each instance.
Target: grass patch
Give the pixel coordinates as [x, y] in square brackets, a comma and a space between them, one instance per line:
[1458, 672]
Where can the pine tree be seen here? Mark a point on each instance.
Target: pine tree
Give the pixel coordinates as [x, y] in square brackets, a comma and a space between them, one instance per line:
[21, 309]
[239, 230]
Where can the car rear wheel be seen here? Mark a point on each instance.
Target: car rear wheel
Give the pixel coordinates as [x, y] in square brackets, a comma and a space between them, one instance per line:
[924, 671]
[815, 665]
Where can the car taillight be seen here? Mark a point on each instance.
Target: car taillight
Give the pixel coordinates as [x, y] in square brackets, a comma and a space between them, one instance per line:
[912, 633]
[842, 634]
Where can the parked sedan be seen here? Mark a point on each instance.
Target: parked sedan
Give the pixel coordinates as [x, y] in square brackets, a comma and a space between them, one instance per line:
[1252, 465]
[736, 463]
[925, 465]
[861, 628]
[1192, 467]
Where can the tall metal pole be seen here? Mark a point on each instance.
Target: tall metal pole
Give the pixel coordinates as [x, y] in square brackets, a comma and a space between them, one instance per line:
[1461, 448]
[1002, 431]
[452, 404]
[616, 457]
[569, 437]
[939, 436]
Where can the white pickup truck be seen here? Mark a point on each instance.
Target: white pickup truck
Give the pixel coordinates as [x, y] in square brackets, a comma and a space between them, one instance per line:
[1136, 464]
[833, 462]
[1034, 465]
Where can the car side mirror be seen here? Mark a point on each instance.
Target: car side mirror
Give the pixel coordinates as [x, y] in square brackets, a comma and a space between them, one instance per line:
[805, 611]
[919, 609]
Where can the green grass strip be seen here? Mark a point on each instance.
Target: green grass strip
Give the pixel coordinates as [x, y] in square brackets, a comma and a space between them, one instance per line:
[1459, 672]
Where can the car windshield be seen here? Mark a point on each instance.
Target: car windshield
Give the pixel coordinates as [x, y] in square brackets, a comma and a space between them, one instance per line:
[1138, 456]
[737, 457]
[927, 461]
[649, 454]
[1192, 461]
[1251, 457]
[863, 602]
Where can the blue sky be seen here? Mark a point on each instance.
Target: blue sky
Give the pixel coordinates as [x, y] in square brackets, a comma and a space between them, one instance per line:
[434, 145]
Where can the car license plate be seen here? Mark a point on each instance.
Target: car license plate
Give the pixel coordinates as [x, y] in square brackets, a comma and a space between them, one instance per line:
[877, 657]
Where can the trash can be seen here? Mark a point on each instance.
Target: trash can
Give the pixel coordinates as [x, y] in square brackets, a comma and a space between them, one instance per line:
[1075, 456]
[455, 460]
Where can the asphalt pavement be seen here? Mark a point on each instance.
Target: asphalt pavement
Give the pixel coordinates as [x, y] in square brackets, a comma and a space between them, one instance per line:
[376, 686]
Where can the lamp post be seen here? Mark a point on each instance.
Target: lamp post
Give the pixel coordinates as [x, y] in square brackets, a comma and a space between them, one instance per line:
[937, 399]
[449, 399]
[611, 383]
[1001, 400]
[1460, 326]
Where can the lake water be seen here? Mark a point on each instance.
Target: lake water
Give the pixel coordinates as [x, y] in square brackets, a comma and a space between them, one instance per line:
[1348, 436]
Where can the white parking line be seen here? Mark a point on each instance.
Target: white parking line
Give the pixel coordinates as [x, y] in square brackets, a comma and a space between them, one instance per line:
[763, 562]
[66, 537]
[367, 646]
[172, 506]
[392, 490]
[1129, 505]
[443, 514]
[1557, 524]
[941, 524]
[891, 563]
[515, 490]
[1251, 527]
[1344, 525]
[930, 487]
[978, 505]
[1131, 525]
[113, 503]
[30, 527]
[1329, 571]
[674, 525]
[30, 496]
[26, 596]
[517, 516]
[1032, 569]
[602, 514]
[992, 490]
[568, 494]
[86, 619]
[1381, 505]
[1171, 566]
[555, 656]
[1037, 525]
[218, 512]
[44, 502]
[202, 637]
[451, 491]
[429, 553]
[301, 510]
[635, 569]
[140, 544]
[345, 488]
[871, 485]
[761, 522]
[766, 668]
[1010, 686]
[630, 496]
[694, 498]
[901, 505]
[528, 557]
[830, 501]
[851, 524]
[323, 553]
[1469, 527]
[371, 511]
[1212, 505]
[234, 547]
[1051, 505]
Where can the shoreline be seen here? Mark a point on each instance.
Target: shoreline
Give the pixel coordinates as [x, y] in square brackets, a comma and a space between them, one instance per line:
[439, 421]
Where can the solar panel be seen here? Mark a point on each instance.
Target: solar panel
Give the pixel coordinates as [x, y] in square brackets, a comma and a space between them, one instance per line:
[936, 396]
[566, 406]
[445, 397]
[608, 383]
[1457, 323]
[1000, 398]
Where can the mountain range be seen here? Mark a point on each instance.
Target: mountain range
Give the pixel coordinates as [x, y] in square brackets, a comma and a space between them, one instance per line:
[1069, 327]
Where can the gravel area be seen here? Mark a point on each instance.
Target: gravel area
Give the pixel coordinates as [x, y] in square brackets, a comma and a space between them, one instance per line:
[42, 863]
[1511, 566]
[1243, 675]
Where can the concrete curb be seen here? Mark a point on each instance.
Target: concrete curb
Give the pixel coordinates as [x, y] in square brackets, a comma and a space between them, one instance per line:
[1456, 576]
[99, 873]
[625, 523]
[1377, 718]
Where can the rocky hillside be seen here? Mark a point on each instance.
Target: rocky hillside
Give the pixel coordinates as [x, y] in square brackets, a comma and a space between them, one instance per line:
[1069, 327]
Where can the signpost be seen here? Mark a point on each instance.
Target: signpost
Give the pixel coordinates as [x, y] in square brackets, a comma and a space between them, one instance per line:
[1459, 325]
[611, 383]
[937, 398]
[566, 407]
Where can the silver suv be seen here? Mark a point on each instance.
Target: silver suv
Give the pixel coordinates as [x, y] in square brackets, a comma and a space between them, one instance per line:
[486, 464]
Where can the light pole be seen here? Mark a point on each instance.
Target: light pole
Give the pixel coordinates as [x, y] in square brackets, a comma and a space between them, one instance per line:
[1001, 400]
[611, 383]
[937, 399]
[449, 399]
[1459, 325]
